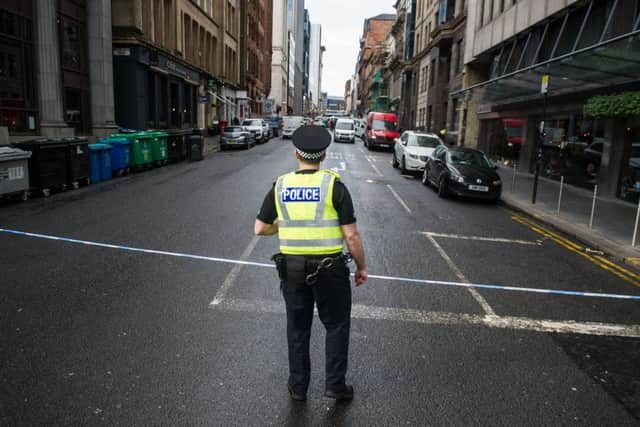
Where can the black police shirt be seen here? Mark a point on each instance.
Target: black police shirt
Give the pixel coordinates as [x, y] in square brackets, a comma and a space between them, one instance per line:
[341, 202]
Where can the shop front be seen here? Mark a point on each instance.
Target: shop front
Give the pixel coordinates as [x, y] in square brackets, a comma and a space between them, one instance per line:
[153, 90]
[536, 108]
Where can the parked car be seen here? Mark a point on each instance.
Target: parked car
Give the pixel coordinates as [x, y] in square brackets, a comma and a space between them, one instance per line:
[257, 129]
[236, 136]
[412, 149]
[462, 172]
[290, 124]
[360, 127]
[274, 123]
[344, 131]
[266, 131]
[381, 130]
[319, 123]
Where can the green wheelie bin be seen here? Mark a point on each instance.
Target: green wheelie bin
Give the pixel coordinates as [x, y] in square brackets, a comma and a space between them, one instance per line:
[159, 147]
[140, 149]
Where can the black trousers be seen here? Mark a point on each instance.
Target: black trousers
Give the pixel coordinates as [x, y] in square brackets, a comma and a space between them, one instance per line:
[332, 295]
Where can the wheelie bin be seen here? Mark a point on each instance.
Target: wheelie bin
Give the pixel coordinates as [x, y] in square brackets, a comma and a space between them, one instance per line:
[77, 161]
[176, 144]
[14, 172]
[159, 153]
[195, 146]
[100, 162]
[120, 154]
[140, 149]
[47, 165]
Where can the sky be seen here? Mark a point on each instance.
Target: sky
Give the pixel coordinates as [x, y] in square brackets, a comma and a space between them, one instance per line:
[342, 22]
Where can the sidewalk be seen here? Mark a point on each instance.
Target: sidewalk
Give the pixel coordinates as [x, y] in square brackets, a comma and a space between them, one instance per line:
[613, 221]
[211, 145]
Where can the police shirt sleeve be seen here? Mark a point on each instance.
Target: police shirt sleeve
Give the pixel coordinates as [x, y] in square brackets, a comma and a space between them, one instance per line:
[268, 212]
[343, 204]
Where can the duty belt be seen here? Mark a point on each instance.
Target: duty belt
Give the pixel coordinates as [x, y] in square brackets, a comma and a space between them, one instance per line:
[326, 264]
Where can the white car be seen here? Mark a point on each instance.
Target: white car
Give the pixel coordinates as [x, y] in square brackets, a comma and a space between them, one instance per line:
[360, 125]
[411, 150]
[290, 124]
[345, 130]
[257, 128]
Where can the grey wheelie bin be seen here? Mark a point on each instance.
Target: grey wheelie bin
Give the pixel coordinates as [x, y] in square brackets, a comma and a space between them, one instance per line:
[14, 172]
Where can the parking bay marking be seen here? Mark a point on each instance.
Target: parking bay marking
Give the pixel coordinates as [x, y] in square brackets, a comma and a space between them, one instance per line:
[618, 271]
[480, 238]
[398, 198]
[367, 312]
[371, 276]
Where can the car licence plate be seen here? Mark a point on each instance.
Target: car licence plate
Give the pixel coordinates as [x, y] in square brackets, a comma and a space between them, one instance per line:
[478, 188]
[232, 141]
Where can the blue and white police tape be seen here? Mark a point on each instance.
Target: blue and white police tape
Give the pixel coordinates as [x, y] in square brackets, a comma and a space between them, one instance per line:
[371, 276]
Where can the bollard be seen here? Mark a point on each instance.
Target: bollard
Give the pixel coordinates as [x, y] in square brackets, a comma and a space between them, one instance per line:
[560, 194]
[635, 227]
[513, 182]
[593, 205]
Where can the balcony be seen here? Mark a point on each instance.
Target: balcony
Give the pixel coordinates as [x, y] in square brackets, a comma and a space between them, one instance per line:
[447, 30]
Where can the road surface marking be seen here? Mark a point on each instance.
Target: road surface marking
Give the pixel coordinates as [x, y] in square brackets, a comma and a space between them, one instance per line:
[359, 311]
[618, 271]
[398, 198]
[371, 276]
[235, 271]
[484, 239]
[373, 166]
[476, 295]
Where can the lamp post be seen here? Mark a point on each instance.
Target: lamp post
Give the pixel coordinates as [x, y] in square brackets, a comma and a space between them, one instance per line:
[544, 89]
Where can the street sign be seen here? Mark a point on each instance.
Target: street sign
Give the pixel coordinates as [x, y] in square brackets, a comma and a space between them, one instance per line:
[544, 86]
[268, 106]
[204, 99]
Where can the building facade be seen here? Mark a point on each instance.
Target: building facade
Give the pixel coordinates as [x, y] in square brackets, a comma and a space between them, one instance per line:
[177, 63]
[255, 63]
[588, 49]
[371, 60]
[280, 57]
[439, 54]
[347, 96]
[315, 67]
[55, 68]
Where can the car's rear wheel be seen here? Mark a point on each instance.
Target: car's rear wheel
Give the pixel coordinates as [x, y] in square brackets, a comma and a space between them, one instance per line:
[403, 165]
[442, 188]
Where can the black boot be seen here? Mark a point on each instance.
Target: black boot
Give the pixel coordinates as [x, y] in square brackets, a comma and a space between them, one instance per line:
[345, 394]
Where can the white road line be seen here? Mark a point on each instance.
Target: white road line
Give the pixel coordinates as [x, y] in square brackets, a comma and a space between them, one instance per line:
[375, 168]
[476, 295]
[359, 311]
[484, 239]
[398, 198]
[235, 271]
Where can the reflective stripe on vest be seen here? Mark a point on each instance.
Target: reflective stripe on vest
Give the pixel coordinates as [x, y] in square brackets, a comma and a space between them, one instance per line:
[307, 222]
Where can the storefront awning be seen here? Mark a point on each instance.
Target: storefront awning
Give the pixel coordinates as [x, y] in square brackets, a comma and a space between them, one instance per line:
[590, 65]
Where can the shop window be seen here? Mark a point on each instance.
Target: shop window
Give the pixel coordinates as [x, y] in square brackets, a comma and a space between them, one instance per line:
[595, 24]
[8, 23]
[629, 188]
[73, 108]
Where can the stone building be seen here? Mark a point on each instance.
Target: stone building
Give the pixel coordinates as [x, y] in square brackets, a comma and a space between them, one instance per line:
[371, 59]
[439, 46]
[316, 51]
[55, 68]
[255, 62]
[280, 57]
[176, 62]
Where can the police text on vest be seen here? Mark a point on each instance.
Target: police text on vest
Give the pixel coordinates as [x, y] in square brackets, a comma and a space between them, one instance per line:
[300, 194]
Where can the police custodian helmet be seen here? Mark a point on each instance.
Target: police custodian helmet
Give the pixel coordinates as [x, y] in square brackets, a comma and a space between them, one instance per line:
[311, 141]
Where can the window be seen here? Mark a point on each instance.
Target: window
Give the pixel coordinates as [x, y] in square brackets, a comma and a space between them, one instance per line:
[429, 117]
[491, 4]
[460, 58]
[454, 115]
[482, 5]
[501, 6]
[72, 45]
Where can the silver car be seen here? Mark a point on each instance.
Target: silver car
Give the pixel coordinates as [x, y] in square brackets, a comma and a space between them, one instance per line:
[236, 136]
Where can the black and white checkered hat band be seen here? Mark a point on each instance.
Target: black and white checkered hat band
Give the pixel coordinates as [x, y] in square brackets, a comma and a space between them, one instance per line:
[310, 156]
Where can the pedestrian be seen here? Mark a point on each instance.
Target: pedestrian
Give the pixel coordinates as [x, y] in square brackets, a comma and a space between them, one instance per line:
[312, 212]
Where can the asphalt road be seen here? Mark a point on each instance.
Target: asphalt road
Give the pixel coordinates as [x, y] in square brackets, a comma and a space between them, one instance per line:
[95, 335]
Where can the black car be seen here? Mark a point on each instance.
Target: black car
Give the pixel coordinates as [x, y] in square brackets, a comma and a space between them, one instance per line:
[462, 172]
[236, 136]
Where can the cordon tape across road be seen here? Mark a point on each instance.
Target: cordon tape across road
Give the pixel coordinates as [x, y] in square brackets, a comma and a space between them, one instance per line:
[371, 276]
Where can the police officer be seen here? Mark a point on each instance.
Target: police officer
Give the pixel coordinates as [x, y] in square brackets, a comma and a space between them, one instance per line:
[312, 213]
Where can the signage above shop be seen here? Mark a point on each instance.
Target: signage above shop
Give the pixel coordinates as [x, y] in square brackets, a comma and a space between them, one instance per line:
[121, 51]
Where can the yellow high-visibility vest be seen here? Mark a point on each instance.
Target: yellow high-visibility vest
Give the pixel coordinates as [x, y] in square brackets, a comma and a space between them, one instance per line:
[307, 221]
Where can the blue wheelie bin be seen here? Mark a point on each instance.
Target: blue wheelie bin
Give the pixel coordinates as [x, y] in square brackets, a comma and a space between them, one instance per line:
[120, 154]
[100, 162]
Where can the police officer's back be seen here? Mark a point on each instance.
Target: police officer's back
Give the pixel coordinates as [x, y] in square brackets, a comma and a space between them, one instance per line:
[312, 213]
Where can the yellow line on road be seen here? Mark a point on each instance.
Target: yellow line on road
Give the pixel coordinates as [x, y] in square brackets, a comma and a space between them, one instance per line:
[607, 265]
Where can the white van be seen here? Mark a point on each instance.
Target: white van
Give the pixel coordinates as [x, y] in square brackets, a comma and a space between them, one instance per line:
[345, 130]
[290, 124]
